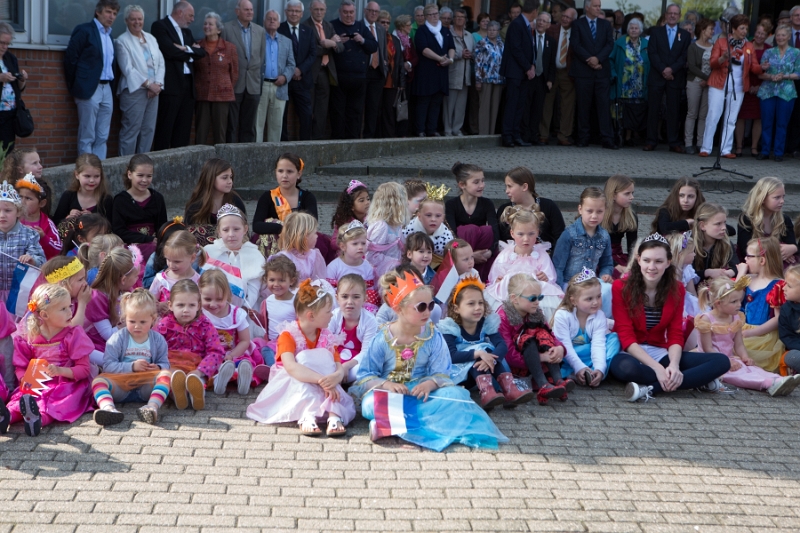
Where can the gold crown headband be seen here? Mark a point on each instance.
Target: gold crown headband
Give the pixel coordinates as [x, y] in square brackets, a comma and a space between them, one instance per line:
[739, 285]
[436, 193]
[67, 271]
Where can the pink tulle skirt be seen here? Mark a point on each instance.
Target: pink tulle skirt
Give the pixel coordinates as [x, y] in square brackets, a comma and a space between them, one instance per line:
[286, 399]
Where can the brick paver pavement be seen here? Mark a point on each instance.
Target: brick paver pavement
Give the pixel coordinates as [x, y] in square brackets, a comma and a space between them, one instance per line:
[684, 462]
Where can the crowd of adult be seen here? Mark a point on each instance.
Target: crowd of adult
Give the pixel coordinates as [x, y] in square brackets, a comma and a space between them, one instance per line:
[604, 77]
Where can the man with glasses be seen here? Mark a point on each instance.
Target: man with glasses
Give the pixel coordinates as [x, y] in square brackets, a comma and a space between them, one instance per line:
[302, 83]
[88, 66]
[376, 71]
[347, 99]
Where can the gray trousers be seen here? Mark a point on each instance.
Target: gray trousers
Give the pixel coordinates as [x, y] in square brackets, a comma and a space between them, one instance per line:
[138, 121]
[94, 121]
[242, 118]
[453, 109]
[697, 97]
[490, 95]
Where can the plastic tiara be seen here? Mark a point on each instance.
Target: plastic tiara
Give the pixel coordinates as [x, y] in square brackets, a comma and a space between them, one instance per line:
[29, 182]
[9, 194]
[585, 275]
[354, 225]
[402, 288]
[738, 285]
[436, 193]
[467, 281]
[354, 184]
[65, 272]
[656, 237]
[227, 210]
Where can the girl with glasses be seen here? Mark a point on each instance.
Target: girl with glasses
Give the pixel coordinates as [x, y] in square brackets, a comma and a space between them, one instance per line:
[530, 340]
[409, 357]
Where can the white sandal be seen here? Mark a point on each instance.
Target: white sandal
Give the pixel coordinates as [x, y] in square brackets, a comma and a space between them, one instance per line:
[335, 427]
[309, 423]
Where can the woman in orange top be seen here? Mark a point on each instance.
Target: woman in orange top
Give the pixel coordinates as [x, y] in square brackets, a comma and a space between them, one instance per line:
[741, 60]
[215, 76]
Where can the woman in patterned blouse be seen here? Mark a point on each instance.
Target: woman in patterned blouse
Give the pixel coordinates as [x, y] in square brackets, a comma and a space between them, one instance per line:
[777, 93]
[488, 81]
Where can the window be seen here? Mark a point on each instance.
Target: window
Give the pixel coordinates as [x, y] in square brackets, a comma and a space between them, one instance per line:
[12, 11]
[223, 8]
[64, 15]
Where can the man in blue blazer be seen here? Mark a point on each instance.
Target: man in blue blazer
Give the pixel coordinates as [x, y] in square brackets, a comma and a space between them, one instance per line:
[591, 43]
[88, 67]
[518, 68]
[304, 46]
[668, 49]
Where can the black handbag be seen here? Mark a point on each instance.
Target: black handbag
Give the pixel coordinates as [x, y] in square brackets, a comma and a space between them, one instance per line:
[23, 121]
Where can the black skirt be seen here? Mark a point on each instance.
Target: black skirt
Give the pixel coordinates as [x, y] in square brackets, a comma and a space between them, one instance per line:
[634, 113]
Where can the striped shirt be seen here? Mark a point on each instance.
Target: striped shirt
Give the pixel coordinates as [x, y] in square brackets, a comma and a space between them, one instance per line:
[652, 316]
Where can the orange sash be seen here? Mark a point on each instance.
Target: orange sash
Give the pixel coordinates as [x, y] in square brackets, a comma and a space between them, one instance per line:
[282, 206]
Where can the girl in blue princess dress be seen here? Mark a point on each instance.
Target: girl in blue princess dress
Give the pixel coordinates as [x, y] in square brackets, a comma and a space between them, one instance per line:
[477, 349]
[409, 357]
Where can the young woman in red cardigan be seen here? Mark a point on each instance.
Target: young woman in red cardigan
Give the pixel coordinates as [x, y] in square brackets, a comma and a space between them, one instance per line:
[648, 314]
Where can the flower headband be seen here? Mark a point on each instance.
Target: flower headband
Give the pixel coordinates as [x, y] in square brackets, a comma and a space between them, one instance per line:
[137, 258]
[175, 220]
[686, 236]
[354, 184]
[308, 285]
[29, 182]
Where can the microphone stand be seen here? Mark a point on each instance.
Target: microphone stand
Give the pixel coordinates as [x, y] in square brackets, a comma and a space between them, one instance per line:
[728, 79]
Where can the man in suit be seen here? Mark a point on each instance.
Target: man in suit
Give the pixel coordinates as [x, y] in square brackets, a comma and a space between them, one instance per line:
[377, 68]
[88, 66]
[248, 37]
[518, 68]
[176, 102]
[514, 11]
[563, 84]
[347, 98]
[544, 59]
[323, 71]
[591, 44]
[302, 83]
[668, 48]
[279, 68]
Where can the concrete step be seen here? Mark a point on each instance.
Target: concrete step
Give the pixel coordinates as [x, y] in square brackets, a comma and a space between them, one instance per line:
[648, 197]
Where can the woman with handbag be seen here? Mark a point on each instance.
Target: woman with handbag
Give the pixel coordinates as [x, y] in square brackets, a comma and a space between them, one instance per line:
[11, 104]
[395, 84]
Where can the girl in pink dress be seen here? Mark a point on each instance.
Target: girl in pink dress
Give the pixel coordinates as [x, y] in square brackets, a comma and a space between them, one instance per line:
[180, 252]
[297, 242]
[117, 274]
[388, 214]
[46, 334]
[352, 243]
[195, 352]
[305, 382]
[721, 331]
[7, 377]
[242, 355]
[525, 255]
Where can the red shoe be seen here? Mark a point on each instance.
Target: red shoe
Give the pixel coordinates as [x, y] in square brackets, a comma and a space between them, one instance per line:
[550, 391]
[490, 398]
[513, 395]
[729, 156]
[703, 154]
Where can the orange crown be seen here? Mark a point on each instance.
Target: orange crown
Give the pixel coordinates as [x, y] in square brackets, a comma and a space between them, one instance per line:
[403, 287]
[467, 281]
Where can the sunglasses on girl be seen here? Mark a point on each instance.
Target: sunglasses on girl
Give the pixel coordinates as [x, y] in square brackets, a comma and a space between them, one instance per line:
[422, 306]
[533, 297]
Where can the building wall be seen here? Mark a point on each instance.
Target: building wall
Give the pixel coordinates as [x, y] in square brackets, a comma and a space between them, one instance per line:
[53, 108]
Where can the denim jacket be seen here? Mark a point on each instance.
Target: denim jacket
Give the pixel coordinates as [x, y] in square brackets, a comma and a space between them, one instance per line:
[575, 250]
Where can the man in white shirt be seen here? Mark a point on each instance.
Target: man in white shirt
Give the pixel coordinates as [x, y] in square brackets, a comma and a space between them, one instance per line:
[176, 102]
[562, 84]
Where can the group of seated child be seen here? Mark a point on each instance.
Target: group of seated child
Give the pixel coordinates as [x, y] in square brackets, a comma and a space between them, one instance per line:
[410, 298]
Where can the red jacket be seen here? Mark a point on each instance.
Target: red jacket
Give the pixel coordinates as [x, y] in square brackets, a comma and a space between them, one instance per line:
[719, 72]
[216, 73]
[633, 329]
